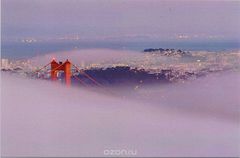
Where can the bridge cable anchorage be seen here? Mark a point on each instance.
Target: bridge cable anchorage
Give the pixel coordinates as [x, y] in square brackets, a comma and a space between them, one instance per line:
[89, 77]
[81, 81]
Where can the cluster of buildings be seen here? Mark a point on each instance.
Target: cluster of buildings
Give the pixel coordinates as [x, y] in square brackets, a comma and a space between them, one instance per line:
[173, 67]
[15, 65]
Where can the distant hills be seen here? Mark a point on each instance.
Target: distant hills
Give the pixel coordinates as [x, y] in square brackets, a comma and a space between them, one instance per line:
[167, 52]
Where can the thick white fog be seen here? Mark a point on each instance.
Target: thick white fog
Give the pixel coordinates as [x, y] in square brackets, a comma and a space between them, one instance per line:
[198, 118]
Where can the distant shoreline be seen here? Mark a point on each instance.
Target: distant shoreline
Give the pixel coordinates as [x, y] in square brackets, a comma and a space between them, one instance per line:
[19, 50]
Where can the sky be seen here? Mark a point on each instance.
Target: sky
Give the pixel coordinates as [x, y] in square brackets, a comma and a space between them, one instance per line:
[121, 19]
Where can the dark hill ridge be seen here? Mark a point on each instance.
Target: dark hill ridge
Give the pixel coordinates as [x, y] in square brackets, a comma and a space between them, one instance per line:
[125, 75]
[167, 52]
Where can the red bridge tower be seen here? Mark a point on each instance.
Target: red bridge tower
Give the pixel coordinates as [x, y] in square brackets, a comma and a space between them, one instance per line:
[66, 67]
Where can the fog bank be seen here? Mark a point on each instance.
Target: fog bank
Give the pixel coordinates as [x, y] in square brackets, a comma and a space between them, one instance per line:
[41, 118]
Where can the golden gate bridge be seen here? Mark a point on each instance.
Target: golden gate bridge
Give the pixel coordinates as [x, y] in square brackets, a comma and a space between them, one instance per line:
[67, 68]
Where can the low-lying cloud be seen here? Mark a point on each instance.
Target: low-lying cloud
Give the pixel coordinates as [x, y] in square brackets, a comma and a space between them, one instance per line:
[198, 118]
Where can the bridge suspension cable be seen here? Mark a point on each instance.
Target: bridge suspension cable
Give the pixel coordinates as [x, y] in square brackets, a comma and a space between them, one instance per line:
[81, 81]
[38, 70]
[76, 77]
[57, 67]
[89, 77]
[93, 80]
